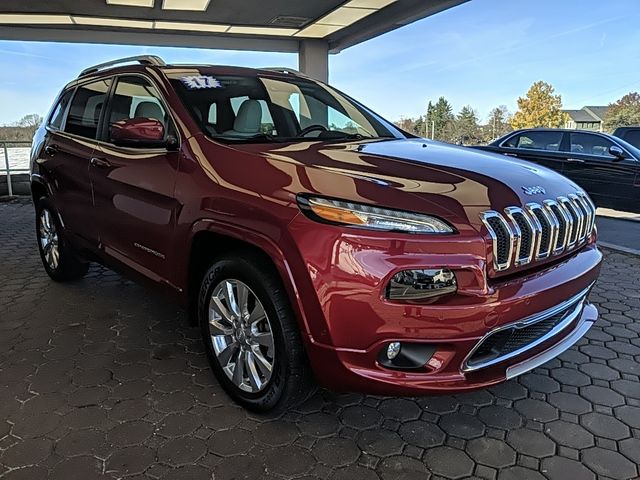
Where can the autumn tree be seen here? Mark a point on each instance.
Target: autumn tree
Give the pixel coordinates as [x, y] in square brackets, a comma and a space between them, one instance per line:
[623, 113]
[539, 108]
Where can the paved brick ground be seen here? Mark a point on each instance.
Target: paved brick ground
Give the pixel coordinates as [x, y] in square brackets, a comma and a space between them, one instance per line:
[102, 379]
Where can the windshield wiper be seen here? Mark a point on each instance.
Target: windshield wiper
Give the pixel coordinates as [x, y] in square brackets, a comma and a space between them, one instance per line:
[333, 135]
[258, 138]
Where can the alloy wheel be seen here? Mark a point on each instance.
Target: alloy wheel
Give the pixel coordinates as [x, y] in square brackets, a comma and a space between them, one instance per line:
[49, 239]
[241, 335]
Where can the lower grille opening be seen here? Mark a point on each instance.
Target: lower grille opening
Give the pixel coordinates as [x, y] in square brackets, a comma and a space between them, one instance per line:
[510, 341]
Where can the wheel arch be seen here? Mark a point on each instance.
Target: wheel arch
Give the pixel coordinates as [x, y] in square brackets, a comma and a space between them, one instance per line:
[208, 240]
[38, 188]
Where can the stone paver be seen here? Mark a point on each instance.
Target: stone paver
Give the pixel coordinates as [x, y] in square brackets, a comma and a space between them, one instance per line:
[103, 379]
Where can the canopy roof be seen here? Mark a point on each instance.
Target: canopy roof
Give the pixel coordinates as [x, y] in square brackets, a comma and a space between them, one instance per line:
[261, 25]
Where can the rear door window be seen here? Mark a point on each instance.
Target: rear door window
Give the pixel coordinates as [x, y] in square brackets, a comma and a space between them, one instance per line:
[548, 141]
[86, 108]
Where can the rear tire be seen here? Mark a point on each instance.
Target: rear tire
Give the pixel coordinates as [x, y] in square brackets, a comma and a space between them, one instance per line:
[58, 257]
[251, 335]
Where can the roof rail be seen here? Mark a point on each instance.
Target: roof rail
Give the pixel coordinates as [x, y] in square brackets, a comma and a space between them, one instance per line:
[141, 59]
[283, 70]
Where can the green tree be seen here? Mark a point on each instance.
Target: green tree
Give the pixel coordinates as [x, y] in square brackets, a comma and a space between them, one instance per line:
[466, 128]
[498, 123]
[440, 119]
[539, 108]
[624, 112]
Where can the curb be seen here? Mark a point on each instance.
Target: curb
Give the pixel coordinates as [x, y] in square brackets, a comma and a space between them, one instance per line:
[618, 248]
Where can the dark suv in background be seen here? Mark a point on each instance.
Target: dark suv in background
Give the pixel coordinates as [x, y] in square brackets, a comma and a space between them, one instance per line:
[629, 134]
[307, 234]
[607, 167]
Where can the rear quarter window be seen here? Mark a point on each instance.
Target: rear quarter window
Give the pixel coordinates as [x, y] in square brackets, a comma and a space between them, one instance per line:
[57, 116]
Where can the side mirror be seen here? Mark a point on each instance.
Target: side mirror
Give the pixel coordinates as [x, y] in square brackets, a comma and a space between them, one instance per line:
[138, 132]
[617, 152]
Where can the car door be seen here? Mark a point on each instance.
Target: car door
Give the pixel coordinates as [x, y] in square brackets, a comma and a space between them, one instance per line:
[541, 147]
[68, 148]
[133, 187]
[611, 182]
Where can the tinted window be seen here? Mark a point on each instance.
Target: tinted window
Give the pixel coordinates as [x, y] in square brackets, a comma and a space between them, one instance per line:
[633, 137]
[57, 116]
[136, 97]
[86, 107]
[549, 141]
[590, 144]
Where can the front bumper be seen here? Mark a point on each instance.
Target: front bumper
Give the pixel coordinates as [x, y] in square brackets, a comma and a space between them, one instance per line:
[352, 320]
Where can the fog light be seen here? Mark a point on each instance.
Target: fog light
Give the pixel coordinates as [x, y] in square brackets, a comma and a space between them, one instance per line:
[393, 350]
[405, 355]
[421, 284]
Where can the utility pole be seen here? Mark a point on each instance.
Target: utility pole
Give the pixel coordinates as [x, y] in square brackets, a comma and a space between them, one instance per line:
[433, 129]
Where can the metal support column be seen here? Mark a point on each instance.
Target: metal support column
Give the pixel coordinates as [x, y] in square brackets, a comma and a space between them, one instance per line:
[313, 59]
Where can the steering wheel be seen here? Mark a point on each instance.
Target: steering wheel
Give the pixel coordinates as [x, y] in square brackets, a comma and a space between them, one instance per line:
[312, 128]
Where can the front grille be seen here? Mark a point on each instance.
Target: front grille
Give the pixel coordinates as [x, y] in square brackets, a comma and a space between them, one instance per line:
[512, 340]
[539, 230]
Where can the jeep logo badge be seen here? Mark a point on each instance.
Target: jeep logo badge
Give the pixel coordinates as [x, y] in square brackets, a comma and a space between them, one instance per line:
[535, 190]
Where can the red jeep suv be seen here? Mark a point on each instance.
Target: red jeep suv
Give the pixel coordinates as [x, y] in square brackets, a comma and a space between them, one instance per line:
[308, 236]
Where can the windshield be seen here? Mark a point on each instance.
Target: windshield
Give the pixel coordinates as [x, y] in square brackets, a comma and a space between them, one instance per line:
[244, 108]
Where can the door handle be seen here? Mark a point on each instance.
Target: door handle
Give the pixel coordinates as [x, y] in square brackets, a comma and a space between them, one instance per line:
[575, 160]
[510, 154]
[99, 162]
[51, 150]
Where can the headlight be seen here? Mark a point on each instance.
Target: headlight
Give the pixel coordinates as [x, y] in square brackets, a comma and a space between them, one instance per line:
[366, 216]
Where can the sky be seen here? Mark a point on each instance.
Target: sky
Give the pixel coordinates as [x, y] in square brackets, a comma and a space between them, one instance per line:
[483, 53]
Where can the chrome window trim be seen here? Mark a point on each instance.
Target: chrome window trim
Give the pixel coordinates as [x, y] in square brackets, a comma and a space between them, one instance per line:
[485, 216]
[577, 301]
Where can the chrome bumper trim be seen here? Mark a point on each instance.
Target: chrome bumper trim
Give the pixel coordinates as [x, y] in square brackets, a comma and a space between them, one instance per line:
[577, 300]
[542, 358]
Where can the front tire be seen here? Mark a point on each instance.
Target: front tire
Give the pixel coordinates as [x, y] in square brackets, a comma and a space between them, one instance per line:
[58, 257]
[251, 335]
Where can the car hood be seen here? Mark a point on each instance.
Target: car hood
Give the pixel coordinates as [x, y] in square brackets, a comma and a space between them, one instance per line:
[456, 183]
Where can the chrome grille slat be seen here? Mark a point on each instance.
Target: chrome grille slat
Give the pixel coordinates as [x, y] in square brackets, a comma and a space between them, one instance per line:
[563, 225]
[571, 211]
[501, 239]
[524, 235]
[538, 231]
[545, 239]
[581, 216]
